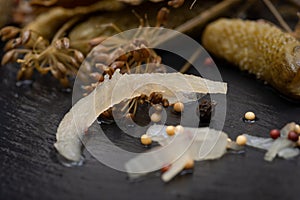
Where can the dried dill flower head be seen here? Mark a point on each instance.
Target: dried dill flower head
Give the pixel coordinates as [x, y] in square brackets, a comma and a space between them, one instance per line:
[133, 58]
[42, 45]
[57, 58]
[128, 51]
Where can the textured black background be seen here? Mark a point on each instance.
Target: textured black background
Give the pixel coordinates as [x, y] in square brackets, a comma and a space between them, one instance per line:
[29, 168]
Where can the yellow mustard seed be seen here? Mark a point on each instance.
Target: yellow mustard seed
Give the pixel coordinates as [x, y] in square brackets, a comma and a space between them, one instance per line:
[241, 140]
[178, 107]
[170, 130]
[146, 140]
[250, 116]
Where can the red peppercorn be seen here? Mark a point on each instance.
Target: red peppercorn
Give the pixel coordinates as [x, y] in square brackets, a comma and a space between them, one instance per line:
[275, 133]
[165, 168]
[293, 136]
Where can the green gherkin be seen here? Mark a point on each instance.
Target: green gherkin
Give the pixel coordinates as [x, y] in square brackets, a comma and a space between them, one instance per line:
[259, 48]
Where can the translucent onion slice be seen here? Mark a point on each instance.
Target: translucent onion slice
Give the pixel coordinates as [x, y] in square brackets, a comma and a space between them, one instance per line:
[173, 86]
[282, 146]
[281, 143]
[207, 143]
[273, 147]
[193, 143]
[287, 128]
[288, 153]
[278, 145]
[259, 142]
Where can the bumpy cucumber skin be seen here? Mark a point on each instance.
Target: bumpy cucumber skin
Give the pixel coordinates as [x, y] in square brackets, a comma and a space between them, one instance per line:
[259, 48]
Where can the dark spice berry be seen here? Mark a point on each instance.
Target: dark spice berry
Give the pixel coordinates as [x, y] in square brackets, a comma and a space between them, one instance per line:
[205, 109]
[275, 133]
[293, 136]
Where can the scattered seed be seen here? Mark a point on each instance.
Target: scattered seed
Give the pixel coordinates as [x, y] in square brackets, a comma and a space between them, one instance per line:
[275, 133]
[293, 136]
[146, 140]
[241, 140]
[250, 116]
[297, 129]
[178, 107]
[170, 130]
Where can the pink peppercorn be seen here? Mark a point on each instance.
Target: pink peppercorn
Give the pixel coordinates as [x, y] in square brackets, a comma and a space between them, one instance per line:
[275, 133]
[293, 136]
